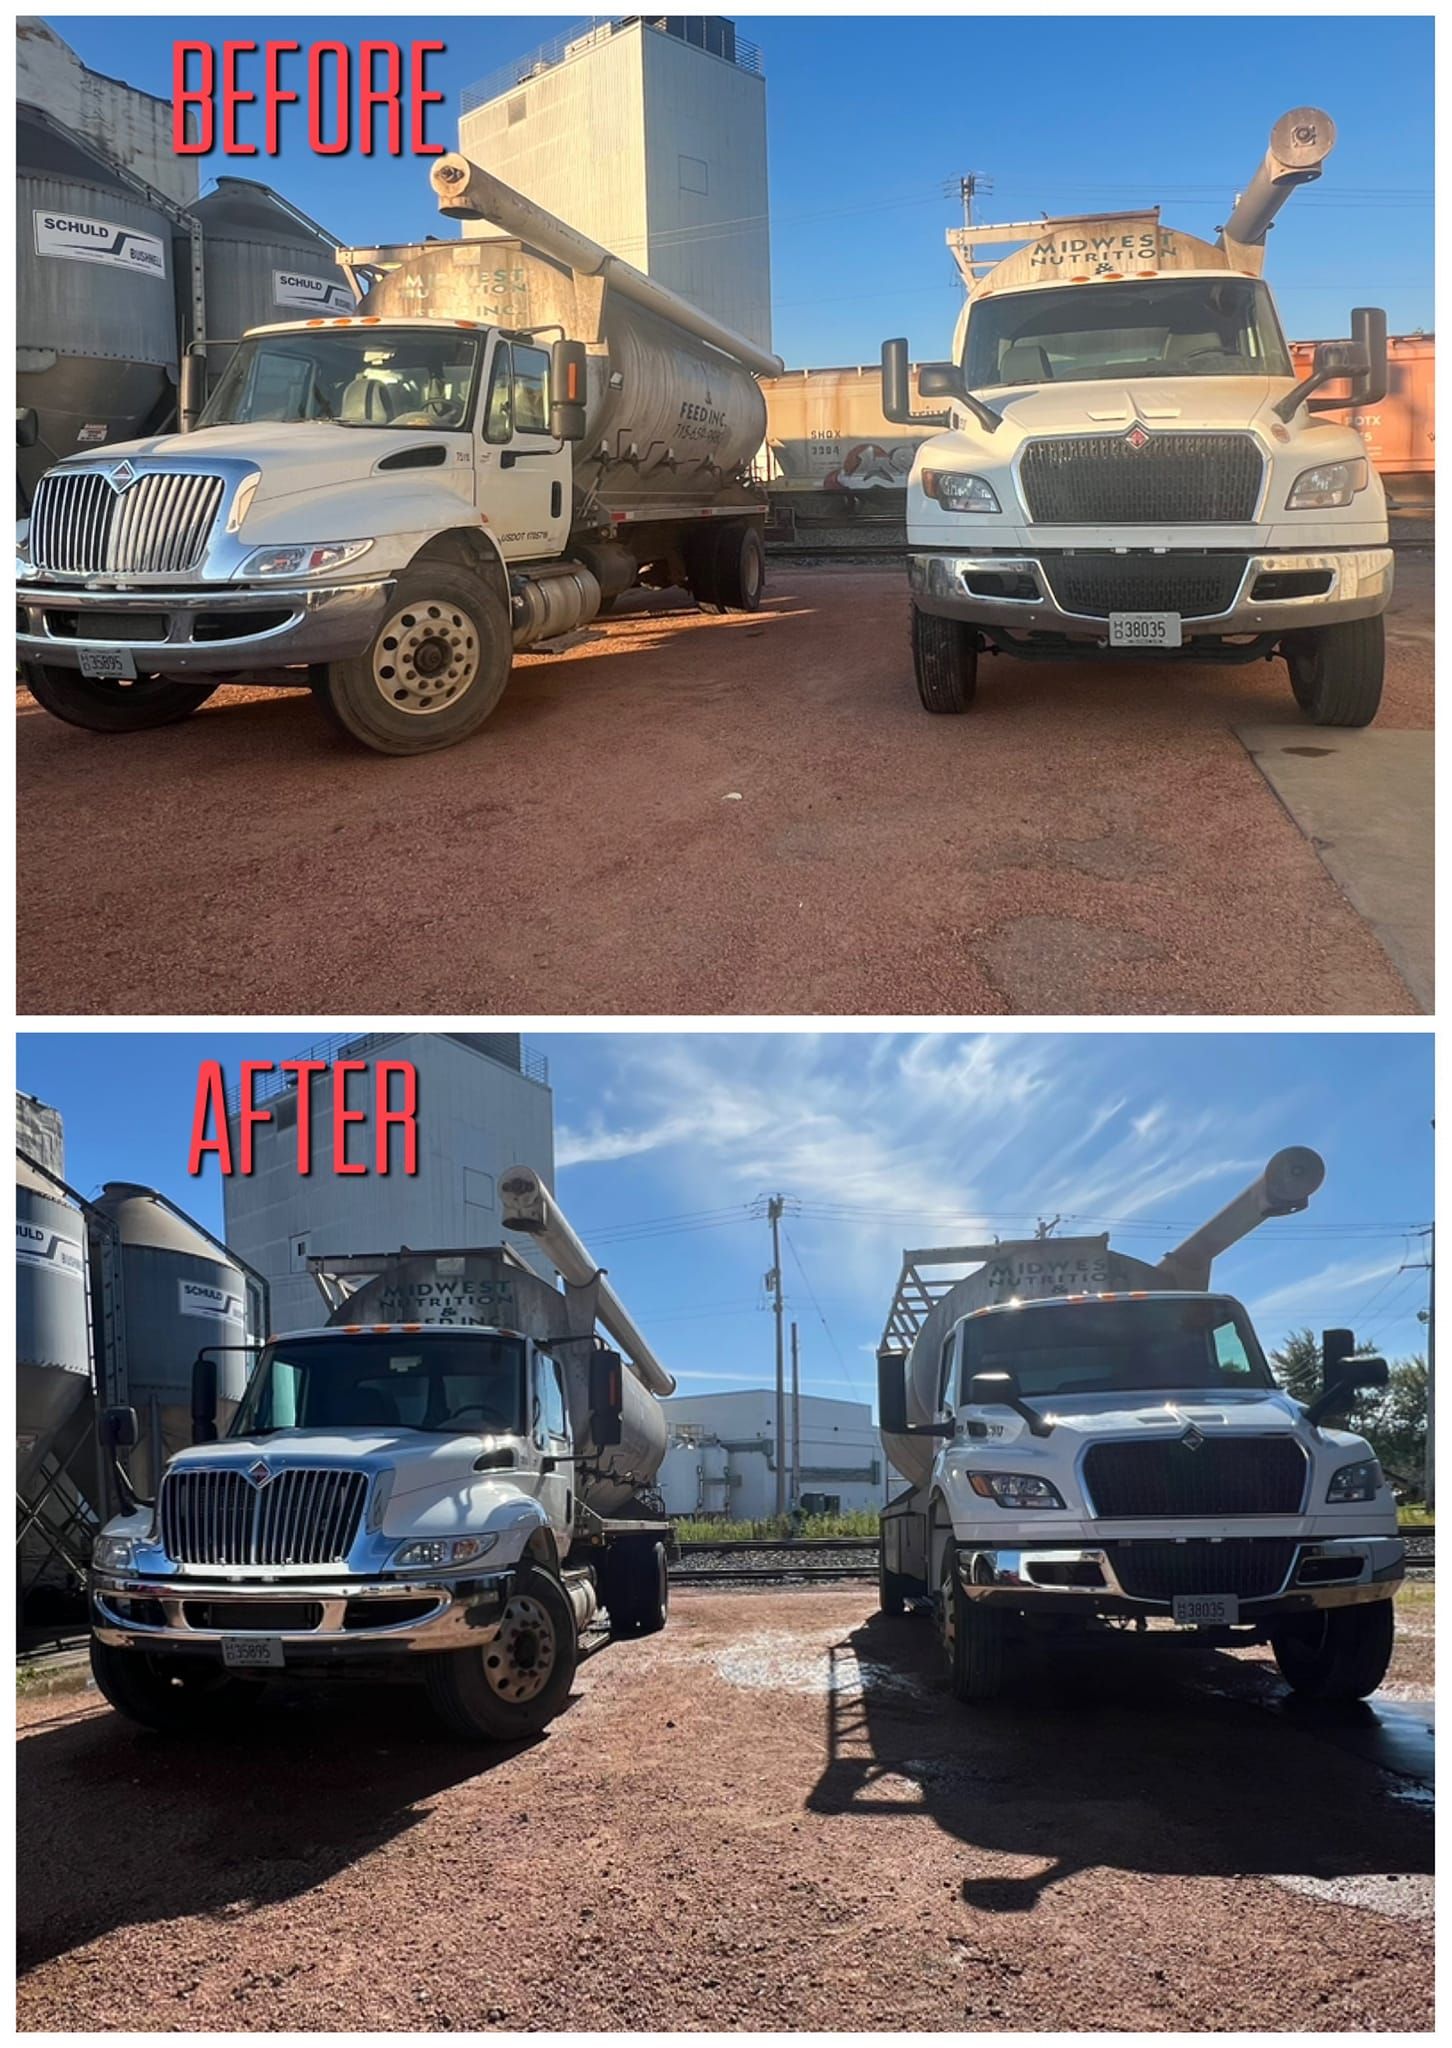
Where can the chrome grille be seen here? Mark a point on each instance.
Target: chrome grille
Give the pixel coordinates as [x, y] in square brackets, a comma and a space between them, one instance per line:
[1251, 1567]
[305, 1515]
[1195, 586]
[81, 526]
[1101, 480]
[1221, 1476]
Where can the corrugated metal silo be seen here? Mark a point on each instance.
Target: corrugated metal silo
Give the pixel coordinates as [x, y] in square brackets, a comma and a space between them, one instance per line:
[53, 1332]
[262, 262]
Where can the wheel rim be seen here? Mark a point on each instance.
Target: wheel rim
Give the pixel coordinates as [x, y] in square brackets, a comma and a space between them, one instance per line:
[520, 1660]
[947, 1611]
[751, 574]
[426, 657]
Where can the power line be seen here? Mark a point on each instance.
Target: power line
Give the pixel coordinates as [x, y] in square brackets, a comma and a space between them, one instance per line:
[821, 1318]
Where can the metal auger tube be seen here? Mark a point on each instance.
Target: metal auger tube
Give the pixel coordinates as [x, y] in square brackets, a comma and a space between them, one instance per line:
[1290, 1179]
[1299, 145]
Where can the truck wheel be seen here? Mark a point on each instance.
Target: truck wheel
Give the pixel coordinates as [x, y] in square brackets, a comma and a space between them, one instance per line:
[972, 1637]
[703, 569]
[1342, 1653]
[639, 1593]
[112, 707]
[740, 568]
[892, 1589]
[1337, 671]
[516, 1685]
[175, 1694]
[945, 661]
[434, 671]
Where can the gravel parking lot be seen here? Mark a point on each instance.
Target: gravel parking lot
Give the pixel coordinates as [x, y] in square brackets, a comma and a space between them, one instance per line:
[690, 814]
[770, 1816]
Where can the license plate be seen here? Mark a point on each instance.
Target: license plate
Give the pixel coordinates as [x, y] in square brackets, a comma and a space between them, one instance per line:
[1144, 629]
[1200, 1608]
[110, 664]
[248, 1653]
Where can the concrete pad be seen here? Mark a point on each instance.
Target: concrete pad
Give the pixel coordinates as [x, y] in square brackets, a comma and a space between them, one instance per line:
[1364, 800]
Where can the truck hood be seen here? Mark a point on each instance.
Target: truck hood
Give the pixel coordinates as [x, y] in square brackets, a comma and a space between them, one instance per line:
[418, 1462]
[1078, 408]
[310, 456]
[1257, 1412]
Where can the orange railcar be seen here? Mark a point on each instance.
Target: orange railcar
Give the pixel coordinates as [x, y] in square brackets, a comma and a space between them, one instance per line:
[1400, 432]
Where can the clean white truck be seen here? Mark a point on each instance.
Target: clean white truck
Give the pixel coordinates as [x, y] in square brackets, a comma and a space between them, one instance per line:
[1131, 468]
[446, 1481]
[508, 434]
[1095, 1443]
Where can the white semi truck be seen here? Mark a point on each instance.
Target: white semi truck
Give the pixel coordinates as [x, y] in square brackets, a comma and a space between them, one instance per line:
[446, 1481]
[508, 434]
[1095, 1443]
[1131, 468]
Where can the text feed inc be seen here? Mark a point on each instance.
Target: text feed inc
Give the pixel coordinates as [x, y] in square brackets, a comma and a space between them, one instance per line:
[290, 1095]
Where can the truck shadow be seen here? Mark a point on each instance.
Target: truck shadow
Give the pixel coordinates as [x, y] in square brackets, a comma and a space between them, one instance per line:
[161, 1827]
[1121, 1757]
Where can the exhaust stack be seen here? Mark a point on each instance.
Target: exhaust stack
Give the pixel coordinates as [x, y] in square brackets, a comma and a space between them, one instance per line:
[1299, 145]
[1287, 1185]
[529, 1208]
[465, 192]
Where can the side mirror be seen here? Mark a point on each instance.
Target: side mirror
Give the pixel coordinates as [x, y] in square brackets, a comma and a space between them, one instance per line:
[27, 426]
[941, 380]
[1342, 1374]
[192, 389]
[1002, 1390]
[204, 1399]
[1368, 331]
[607, 1394]
[892, 1392]
[567, 390]
[897, 396]
[121, 1429]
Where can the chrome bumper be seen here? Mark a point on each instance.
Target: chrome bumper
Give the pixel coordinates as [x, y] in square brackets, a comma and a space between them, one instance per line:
[132, 1613]
[1361, 586]
[315, 625]
[1039, 1577]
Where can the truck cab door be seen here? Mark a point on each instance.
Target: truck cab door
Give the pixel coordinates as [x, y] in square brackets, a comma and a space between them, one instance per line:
[550, 1433]
[525, 475]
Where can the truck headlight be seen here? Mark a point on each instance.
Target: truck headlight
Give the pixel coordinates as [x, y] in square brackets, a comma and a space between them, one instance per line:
[1361, 1481]
[441, 1550]
[113, 1553]
[1015, 1489]
[302, 558]
[958, 493]
[1334, 483]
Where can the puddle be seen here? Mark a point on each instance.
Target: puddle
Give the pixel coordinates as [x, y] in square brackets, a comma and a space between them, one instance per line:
[1399, 1895]
[780, 1660]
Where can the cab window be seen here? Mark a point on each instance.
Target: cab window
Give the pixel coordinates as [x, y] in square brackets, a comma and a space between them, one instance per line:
[531, 390]
[552, 1398]
[499, 409]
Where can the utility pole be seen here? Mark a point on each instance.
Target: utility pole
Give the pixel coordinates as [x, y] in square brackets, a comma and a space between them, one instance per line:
[773, 1280]
[796, 1420]
[969, 187]
[1428, 1317]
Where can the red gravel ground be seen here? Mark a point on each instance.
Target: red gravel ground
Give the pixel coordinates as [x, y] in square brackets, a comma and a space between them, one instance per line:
[686, 814]
[771, 1816]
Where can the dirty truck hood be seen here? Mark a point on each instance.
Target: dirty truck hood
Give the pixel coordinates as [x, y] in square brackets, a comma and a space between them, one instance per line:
[310, 456]
[1167, 403]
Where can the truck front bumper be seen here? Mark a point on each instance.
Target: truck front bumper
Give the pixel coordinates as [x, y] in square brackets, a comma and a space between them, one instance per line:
[315, 1620]
[1351, 583]
[202, 630]
[1107, 1578]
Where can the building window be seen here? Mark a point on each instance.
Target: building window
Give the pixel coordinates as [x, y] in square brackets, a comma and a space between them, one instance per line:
[694, 176]
[514, 111]
[297, 1255]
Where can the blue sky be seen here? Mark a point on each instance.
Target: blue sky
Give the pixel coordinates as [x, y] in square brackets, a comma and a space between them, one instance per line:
[666, 1140]
[1122, 111]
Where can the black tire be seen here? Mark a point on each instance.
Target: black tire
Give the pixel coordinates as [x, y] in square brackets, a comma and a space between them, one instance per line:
[515, 1685]
[112, 707]
[972, 1636]
[434, 670]
[178, 1695]
[892, 1589]
[703, 570]
[1337, 671]
[740, 568]
[945, 661]
[637, 1590]
[1341, 1653]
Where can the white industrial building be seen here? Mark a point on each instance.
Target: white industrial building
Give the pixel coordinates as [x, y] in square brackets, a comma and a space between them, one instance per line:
[722, 1456]
[649, 135]
[484, 1105]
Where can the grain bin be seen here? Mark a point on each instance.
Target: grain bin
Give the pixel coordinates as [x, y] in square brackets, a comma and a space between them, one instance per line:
[183, 1291]
[96, 354]
[53, 1332]
[262, 261]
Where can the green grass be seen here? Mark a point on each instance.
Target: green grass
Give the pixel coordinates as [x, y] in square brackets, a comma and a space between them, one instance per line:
[1415, 1515]
[716, 1529]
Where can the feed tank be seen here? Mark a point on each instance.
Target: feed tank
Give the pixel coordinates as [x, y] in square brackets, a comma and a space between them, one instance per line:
[493, 1288]
[182, 1291]
[668, 418]
[261, 262]
[52, 1319]
[96, 334]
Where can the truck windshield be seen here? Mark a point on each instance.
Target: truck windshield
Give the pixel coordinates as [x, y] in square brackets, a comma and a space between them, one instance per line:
[351, 376]
[438, 1382]
[1105, 1347]
[1177, 327]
